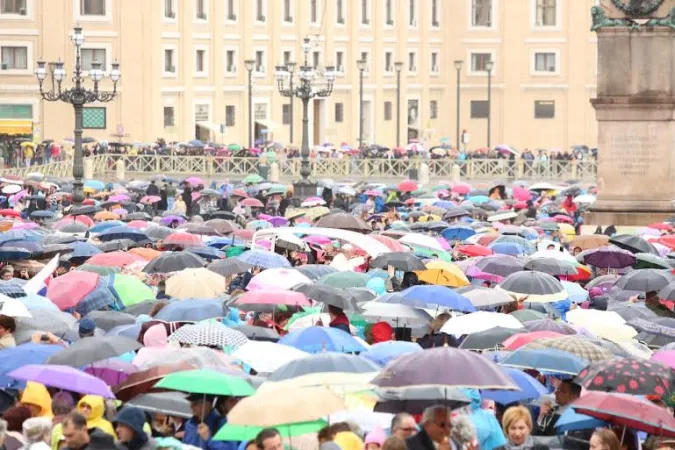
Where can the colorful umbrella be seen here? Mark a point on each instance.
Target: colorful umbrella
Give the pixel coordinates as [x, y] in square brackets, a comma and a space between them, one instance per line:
[115, 259]
[318, 339]
[574, 345]
[63, 377]
[209, 335]
[195, 283]
[69, 289]
[206, 382]
[281, 279]
[629, 376]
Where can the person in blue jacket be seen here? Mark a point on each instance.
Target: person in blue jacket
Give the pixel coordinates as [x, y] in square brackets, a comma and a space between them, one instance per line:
[490, 434]
[204, 424]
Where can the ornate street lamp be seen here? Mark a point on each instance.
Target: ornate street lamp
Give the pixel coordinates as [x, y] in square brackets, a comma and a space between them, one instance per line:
[458, 68]
[362, 65]
[250, 65]
[488, 67]
[306, 88]
[78, 96]
[398, 67]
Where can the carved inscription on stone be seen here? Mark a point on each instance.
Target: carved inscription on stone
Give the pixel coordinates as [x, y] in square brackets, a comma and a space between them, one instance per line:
[634, 155]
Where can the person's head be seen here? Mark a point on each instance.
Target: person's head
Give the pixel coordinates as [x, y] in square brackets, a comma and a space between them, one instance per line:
[201, 406]
[7, 273]
[489, 405]
[403, 425]
[604, 439]
[652, 297]
[436, 422]
[15, 417]
[338, 427]
[92, 407]
[576, 251]
[394, 443]
[517, 424]
[269, 439]
[129, 424]
[334, 311]
[375, 439]
[324, 435]
[225, 404]
[75, 430]
[567, 392]
[439, 321]
[87, 328]
[37, 429]
[62, 403]
[7, 325]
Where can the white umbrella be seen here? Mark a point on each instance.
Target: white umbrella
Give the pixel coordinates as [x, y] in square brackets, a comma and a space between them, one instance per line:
[554, 254]
[11, 189]
[479, 321]
[266, 357]
[415, 147]
[12, 307]
[585, 198]
[281, 278]
[313, 202]
[502, 216]
[311, 320]
[543, 187]
[395, 313]
[421, 240]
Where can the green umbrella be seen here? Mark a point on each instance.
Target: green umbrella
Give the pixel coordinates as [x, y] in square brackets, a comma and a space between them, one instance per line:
[206, 382]
[419, 192]
[344, 280]
[271, 156]
[101, 270]
[254, 178]
[549, 226]
[234, 147]
[130, 290]
[650, 261]
[276, 189]
[300, 315]
[440, 187]
[233, 251]
[230, 432]
[528, 315]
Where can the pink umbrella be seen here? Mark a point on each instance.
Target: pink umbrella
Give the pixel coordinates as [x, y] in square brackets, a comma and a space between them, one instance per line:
[277, 279]
[563, 219]
[445, 244]
[137, 224]
[196, 196]
[521, 194]
[318, 240]
[252, 202]
[120, 211]
[149, 199]
[195, 181]
[264, 243]
[313, 201]
[17, 197]
[373, 193]
[272, 297]
[68, 290]
[265, 217]
[118, 198]
[25, 225]
[443, 193]
[666, 357]
[461, 188]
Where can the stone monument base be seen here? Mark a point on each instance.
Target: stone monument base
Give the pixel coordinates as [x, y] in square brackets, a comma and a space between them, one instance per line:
[628, 213]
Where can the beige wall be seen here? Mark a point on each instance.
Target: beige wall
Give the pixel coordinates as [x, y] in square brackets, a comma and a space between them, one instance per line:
[136, 33]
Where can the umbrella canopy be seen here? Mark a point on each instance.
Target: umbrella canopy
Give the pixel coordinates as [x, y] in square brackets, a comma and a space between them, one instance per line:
[629, 376]
[170, 403]
[530, 388]
[264, 259]
[545, 360]
[169, 262]
[479, 321]
[69, 289]
[21, 355]
[491, 338]
[339, 298]
[550, 325]
[384, 352]
[535, 286]
[255, 333]
[281, 278]
[228, 267]
[344, 280]
[269, 300]
[317, 339]
[143, 381]
[92, 349]
[114, 259]
[632, 243]
[195, 283]
[645, 280]
[206, 382]
[421, 296]
[107, 320]
[485, 298]
[574, 345]
[442, 273]
[589, 241]
[500, 265]
[403, 261]
[343, 221]
[267, 357]
[63, 377]
[182, 240]
[209, 335]
[610, 258]
[321, 367]
[191, 310]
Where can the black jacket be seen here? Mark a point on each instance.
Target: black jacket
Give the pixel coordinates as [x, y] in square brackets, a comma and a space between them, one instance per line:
[98, 440]
[422, 441]
[438, 340]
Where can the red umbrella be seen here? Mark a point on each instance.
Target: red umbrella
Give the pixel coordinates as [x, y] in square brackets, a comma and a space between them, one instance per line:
[409, 202]
[521, 194]
[252, 202]
[668, 241]
[239, 193]
[488, 238]
[461, 188]
[114, 259]
[372, 193]
[518, 340]
[407, 186]
[183, 240]
[150, 199]
[272, 297]
[520, 205]
[628, 411]
[474, 250]
[88, 202]
[661, 226]
[246, 235]
[391, 243]
[561, 218]
[10, 213]
[68, 290]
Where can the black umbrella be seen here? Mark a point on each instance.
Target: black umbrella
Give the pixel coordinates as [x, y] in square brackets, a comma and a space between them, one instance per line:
[227, 215]
[83, 210]
[137, 216]
[339, 298]
[67, 239]
[404, 261]
[645, 280]
[489, 339]
[550, 266]
[171, 403]
[501, 265]
[549, 325]
[630, 311]
[49, 251]
[75, 227]
[173, 262]
[362, 294]
[324, 362]
[143, 307]
[343, 221]
[258, 333]
[229, 266]
[118, 244]
[414, 400]
[668, 292]
[107, 320]
[92, 349]
[158, 233]
[436, 225]
[537, 286]
[633, 244]
[455, 213]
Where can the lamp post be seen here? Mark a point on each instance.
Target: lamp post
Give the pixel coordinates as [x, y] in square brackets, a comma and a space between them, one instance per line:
[362, 65]
[291, 71]
[306, 89]
[458, 68]
[250, 65]
[398, 66]
[489, 66]
[78, 96]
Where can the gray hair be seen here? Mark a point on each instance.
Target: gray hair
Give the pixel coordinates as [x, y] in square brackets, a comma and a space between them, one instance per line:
[36, 429]
[463, 429]
[430, 413]
[398, 418]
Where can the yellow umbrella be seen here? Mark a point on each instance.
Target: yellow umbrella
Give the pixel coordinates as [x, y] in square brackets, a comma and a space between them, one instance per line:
[195, 283]
[442, 273]
[28, 144]
[315, 212]
[88, 190]
[429, 218]
[567, 230]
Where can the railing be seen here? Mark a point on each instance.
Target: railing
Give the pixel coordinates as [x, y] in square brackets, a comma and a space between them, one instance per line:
[358, 169]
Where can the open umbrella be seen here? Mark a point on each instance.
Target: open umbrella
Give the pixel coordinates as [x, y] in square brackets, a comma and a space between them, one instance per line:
[266, 357]
[281, 278]
[171, 403]
[264, 259]
[484, 298]
[645, 280]
[191, 310]
[228, 267]
[610, 258]
[209, 335]
[574, 345]
[545, 360]
[491, 338]
[63, 377]
[632, 243]
[317, 339]
[195, 283]
[421, 296]
[403, 261]
[206, 382]
[143, 381]
[536, 286]
[530, 388]
[92, 349]
[339, 298]
[169, 262]
[629, 376]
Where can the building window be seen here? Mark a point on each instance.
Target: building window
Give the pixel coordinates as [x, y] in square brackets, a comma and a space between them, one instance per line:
[230, 61]
[389, 12]
[339, 12]
[481, 13]
[286, 114]
[314, 12]
[230, 115]
[316, 58]
[13, 7]
[412, 62]
[288, 14]
[89, 55]
[545, 62]
[286, 57]
[200, 61]
[231, 11]
[14, 58]
[546, 13]
[92, 7]
[169, 61]
[435, 66]
[16, 111]
[434, 14]
[169, 9]
[94, 118]
[200, 9]
[479, 61]
[412, 13]
[365, 12]
[388, 62]
[260, 61]
[387, 111]
[544, 109]
[479, 109]
[260, 11]
[340, 61]
[339, 112]
[169, 117]
[366, 57]
[433, 109]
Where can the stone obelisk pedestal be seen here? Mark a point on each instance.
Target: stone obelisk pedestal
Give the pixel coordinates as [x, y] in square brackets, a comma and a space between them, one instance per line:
[635, 109]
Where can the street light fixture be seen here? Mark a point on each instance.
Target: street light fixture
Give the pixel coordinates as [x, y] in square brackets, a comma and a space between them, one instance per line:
[250, 65]
[307, 88]
[291, 71]
[78, 96]
[489, 66]
[398, 67]
[458, 68]
[362, 65]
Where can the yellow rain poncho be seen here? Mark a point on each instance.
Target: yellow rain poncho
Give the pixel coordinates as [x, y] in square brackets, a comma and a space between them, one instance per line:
[37, 394]
[95, 419]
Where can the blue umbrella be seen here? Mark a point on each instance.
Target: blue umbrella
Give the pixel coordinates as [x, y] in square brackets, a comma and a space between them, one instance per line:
[21, 355]
[191, 310]
[576, 293]
[14, 253]
[31, 246]
[196, 143]
[103, 226]
[506, 248]
[423, 295]
[319, 339]
[220, 242]
[479, 199]
[208, 253]
[19, 235]
[460, 232]
[445, 204]
[37, 302]
[496, 355]
[122, 232]
[546, 360]
[81, 250]
[316, 271]
[44, 214]
[95, 185]
[571, 420]
[383, 352]
[267, 260]
[529, 388]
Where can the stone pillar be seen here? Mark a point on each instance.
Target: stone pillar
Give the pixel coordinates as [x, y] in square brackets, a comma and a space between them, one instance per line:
[423, 175]
[88, 169]
[456, 174]
[120, 169]
[274, 173]
[635, 109]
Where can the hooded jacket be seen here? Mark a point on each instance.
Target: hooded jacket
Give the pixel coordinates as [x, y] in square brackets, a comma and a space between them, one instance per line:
[95, 419]
[134, 418]
[37, 394]
[490, 434]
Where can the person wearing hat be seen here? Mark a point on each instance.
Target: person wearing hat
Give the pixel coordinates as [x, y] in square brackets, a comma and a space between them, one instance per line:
[204, 424]
[86, 328]
[129, 424]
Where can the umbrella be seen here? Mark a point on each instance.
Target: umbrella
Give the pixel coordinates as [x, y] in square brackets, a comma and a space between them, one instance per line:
[169, 262]
[281, 279]
[264, 259]
[589, 241]
[122, 232]
[535, 286]
[209, 335]
[182, 240]
[9, 253]
[339, 298]
[570, 421]
[484, 298]
[629, 311]
[107, 320]
[62, 377]
[170, 403]
[458, 232]
[421, 296]
[266, 357]
[518, 340]
[269, 300]
[632, 243]
[442, 273]
[324, 368]
[344, 280]
[530, 388]
[343, 221]
[112, 371]
[12, 307]
[315, 271]
[491, 338]
[317, 339]
[644, 280]
[545, 360]
[206, 382]
[248, 433]
[384, 352]
[142, 381]
[403, 261]
[574, 345]
[479, 321]
[395, 314]
[549, 325]
[500, 265]
[195, 283]
[114, 259]
[191, 311]
[550, 266]
[629, 376]
[610, 258]
[255, 333]
[229, 267]
[71, 288]
[92, 349]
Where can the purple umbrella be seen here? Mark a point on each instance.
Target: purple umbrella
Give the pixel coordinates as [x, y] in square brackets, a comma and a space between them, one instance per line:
[168, 220]
[430, 368]
[604, 282]
[278, 221]
[118, 198]
[112, 371]
[610, 258]
[63, 377]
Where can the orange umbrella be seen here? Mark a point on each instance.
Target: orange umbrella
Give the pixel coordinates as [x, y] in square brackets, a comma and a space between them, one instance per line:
[106, 215]
[146, 253]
